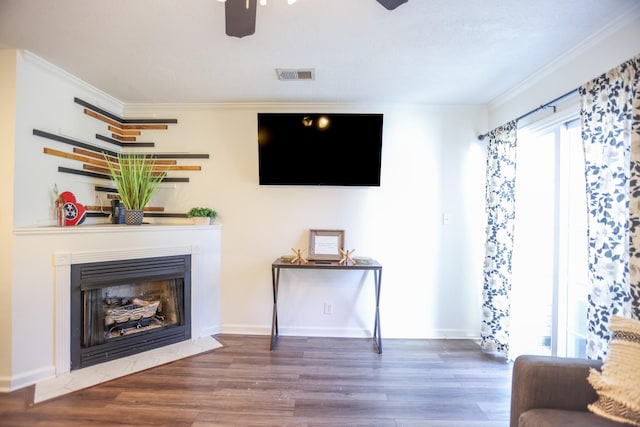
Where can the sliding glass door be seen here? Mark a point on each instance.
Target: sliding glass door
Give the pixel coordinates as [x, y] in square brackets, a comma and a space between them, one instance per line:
[573, 274]
[550, 249]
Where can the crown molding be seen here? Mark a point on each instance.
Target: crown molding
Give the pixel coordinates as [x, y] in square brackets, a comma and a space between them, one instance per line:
[43, 64]
[153, 110]
[621, 21]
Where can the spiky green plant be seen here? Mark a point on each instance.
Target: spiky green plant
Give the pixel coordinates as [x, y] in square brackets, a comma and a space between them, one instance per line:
[136, 177]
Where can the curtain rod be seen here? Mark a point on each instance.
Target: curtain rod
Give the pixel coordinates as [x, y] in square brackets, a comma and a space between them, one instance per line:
[535, 110]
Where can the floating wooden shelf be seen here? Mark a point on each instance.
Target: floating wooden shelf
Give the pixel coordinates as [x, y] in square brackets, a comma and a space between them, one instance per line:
[74, 142]
[123, 138]
[175, 155]
[120, 120]
[120, 143]
[95, 149]
[102, 189]
[102, 208]
[122, 126]
[90, 160]
[148, 214]
[165, 215]
[123, 131]
[105, 176]
[123, 135]
[98, 214]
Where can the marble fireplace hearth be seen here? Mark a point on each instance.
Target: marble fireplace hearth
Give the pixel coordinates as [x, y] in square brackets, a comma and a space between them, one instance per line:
[93, 375]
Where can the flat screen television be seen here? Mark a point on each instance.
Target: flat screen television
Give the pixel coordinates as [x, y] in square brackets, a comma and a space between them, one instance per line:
[320, 149]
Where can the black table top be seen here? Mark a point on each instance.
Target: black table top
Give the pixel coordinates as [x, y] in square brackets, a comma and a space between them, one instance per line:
[367, 264]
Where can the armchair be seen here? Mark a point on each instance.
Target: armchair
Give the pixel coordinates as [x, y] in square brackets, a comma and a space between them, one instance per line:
[552, 391]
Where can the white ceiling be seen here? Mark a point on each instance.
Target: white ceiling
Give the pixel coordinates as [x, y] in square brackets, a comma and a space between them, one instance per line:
[425, 51]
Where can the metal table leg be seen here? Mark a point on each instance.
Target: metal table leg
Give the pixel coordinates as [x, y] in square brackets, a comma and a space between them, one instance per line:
[275, 281]
[377, 334]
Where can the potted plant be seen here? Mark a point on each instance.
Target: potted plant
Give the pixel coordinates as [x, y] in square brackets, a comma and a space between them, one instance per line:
[202, 215]
[137, 177]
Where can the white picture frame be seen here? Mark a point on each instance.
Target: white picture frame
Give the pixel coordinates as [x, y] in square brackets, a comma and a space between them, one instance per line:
[325, 245]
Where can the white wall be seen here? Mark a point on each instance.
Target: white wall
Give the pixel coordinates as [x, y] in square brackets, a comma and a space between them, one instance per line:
[7, 132]
[432, 164]
[617, 43]
[398, 223]
[45, 96]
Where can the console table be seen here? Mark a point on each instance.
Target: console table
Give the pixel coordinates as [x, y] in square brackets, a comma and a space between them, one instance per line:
[371, 265]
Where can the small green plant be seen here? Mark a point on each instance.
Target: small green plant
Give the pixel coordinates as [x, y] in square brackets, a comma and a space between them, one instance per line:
[202, 212]
[136, 177]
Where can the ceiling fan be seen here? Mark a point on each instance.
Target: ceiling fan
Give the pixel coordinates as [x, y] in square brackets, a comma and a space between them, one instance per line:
[240, 15]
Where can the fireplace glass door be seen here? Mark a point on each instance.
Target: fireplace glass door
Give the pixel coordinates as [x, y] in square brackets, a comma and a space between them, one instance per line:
[120, 308]
[114, 312]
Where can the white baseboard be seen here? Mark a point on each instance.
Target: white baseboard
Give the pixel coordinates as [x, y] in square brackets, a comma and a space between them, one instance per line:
[245, 330]
[9, 384]
[297, 331]
[345, 332]
[208, 331]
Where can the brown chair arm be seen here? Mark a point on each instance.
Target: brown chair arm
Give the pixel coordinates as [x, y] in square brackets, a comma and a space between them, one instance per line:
[550, 382]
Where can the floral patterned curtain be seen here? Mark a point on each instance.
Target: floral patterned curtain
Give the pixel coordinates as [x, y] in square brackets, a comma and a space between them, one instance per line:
[500, 205]
[610, 112]
[634, 246]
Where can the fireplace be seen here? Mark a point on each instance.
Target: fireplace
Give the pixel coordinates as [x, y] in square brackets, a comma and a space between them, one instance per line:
[124, 307]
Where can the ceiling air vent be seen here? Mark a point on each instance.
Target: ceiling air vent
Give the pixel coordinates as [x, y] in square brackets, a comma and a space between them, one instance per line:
[292, 74]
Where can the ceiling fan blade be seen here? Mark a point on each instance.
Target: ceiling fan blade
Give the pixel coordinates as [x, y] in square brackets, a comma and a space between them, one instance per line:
[240, 21]
[391, 4]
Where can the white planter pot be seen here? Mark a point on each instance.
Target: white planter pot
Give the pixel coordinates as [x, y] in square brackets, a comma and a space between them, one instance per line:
[201, 220]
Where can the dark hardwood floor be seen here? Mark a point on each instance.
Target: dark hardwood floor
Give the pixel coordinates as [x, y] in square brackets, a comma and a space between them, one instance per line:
[303, 382]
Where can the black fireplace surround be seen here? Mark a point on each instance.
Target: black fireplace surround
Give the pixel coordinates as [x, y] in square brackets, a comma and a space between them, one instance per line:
[120, 308]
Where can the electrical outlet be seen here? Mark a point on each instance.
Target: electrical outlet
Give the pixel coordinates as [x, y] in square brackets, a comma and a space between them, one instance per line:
[328, 308]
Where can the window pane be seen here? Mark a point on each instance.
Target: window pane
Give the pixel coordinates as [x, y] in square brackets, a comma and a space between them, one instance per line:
[533, 257]
[549, 292]
[574, 210]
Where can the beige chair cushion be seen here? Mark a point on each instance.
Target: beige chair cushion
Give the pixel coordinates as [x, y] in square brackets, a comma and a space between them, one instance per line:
[618, 385]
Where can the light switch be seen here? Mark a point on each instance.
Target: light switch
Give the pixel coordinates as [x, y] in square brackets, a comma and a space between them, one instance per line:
[446, 218]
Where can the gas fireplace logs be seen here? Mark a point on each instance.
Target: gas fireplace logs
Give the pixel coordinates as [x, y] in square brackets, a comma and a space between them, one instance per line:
[137, 310]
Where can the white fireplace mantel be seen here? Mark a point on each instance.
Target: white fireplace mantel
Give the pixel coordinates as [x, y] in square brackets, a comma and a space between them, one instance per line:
[42, 278]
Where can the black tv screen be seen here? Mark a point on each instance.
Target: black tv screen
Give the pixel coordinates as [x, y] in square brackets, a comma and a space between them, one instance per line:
[320, 149]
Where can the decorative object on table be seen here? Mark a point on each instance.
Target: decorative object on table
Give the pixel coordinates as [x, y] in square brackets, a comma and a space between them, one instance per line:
[363, 260]
[346, 257]
[137, 177]
[202, 216]
[68, 211]
[325, 245]
[117, 212]
[298, 258]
